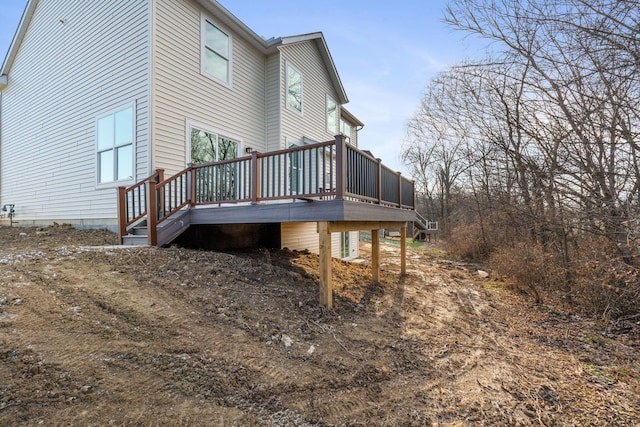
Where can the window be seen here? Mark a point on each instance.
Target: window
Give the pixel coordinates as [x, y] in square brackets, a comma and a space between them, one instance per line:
[115, 146]
[332, 116]
[345, 250]
[294, 170]
[216, 52]
[207, 147]
[218, 182]
[345, 129]
[294, 89]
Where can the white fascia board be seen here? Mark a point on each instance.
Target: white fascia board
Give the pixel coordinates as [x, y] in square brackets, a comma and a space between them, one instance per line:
[18, 36]
[326, 57]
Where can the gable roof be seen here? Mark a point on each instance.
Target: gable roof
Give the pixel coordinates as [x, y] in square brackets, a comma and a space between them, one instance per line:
[27, 14]
[225, 17]
[351, 118]
[270, 45]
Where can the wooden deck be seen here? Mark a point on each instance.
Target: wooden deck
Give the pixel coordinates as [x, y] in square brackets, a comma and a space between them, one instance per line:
[333, 184]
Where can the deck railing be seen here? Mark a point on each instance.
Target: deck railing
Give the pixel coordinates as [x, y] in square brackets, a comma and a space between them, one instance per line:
[324, 171]
[133, 202]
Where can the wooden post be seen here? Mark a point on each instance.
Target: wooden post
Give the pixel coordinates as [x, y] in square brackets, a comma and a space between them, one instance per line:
[152, 214]
[255, 179]
[122, 213]
[192, 185]
[375, 255]
[160, 178]
[403, 250]
[326, 286]
[413, 192]
[341, 167]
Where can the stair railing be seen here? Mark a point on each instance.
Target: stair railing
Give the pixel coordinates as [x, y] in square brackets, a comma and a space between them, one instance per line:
[133, 202]
[422, 221]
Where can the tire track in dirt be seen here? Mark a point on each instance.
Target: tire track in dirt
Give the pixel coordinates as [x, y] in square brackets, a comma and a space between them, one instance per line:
[182, 337]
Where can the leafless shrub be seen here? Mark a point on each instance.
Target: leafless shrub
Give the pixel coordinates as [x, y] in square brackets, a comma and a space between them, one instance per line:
[530, 267]
[605, 285]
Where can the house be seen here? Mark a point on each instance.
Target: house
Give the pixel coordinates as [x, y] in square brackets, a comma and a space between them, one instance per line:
[100, 97]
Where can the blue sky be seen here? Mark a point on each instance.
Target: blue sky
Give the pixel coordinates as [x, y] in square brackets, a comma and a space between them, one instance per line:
[385, 53]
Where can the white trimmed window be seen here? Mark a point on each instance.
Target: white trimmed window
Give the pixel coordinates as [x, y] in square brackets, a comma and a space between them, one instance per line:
[207, 145]
[115, 145]
[332, 116]
[216, 52]
[345, 129]
[294, 89]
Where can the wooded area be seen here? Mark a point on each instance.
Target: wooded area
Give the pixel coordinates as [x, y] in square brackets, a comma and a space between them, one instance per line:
[529, 159]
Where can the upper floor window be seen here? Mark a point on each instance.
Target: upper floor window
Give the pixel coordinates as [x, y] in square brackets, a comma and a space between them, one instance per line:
[294, 89]
[332, 115]
[115, 136]
[216, 52]
[345, 129]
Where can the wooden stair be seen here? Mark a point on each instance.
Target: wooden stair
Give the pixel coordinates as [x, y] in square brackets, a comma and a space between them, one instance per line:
[168, 230]
[423, 229]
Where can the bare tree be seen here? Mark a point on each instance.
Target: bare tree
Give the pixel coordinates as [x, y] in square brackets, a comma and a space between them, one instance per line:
[573, 130]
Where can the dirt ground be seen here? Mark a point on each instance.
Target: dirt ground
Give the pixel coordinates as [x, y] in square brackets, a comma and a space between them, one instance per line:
[145, 336]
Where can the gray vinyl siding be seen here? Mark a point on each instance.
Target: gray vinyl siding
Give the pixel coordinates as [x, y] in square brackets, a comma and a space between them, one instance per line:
[316, 85]
[182, 93]
[78, 60]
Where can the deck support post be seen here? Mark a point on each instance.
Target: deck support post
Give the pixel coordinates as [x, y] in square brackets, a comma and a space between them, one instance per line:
[375, 255]
[326, 286]
[403, 249]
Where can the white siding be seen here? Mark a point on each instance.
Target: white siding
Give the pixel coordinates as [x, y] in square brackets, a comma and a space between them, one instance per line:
[353, 135]
[78, 59]
[274, 101]
[182, 93]
[316, 85]
[298, 236]
[354, 244]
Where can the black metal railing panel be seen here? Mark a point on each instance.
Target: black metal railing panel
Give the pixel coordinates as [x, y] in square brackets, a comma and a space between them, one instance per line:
[298, 172]
[172, 194]
[390, 187]
[223, 182]
[136, 204]
[407, 192]
[362, 174]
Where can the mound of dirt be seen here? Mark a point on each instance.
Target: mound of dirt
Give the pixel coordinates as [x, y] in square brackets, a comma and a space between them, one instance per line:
[92, 334]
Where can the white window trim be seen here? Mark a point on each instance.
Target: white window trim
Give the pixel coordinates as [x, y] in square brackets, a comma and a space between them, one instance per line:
[288, 64]
[96, 168]
[337, 113]
[193, 124]
[203, 39]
